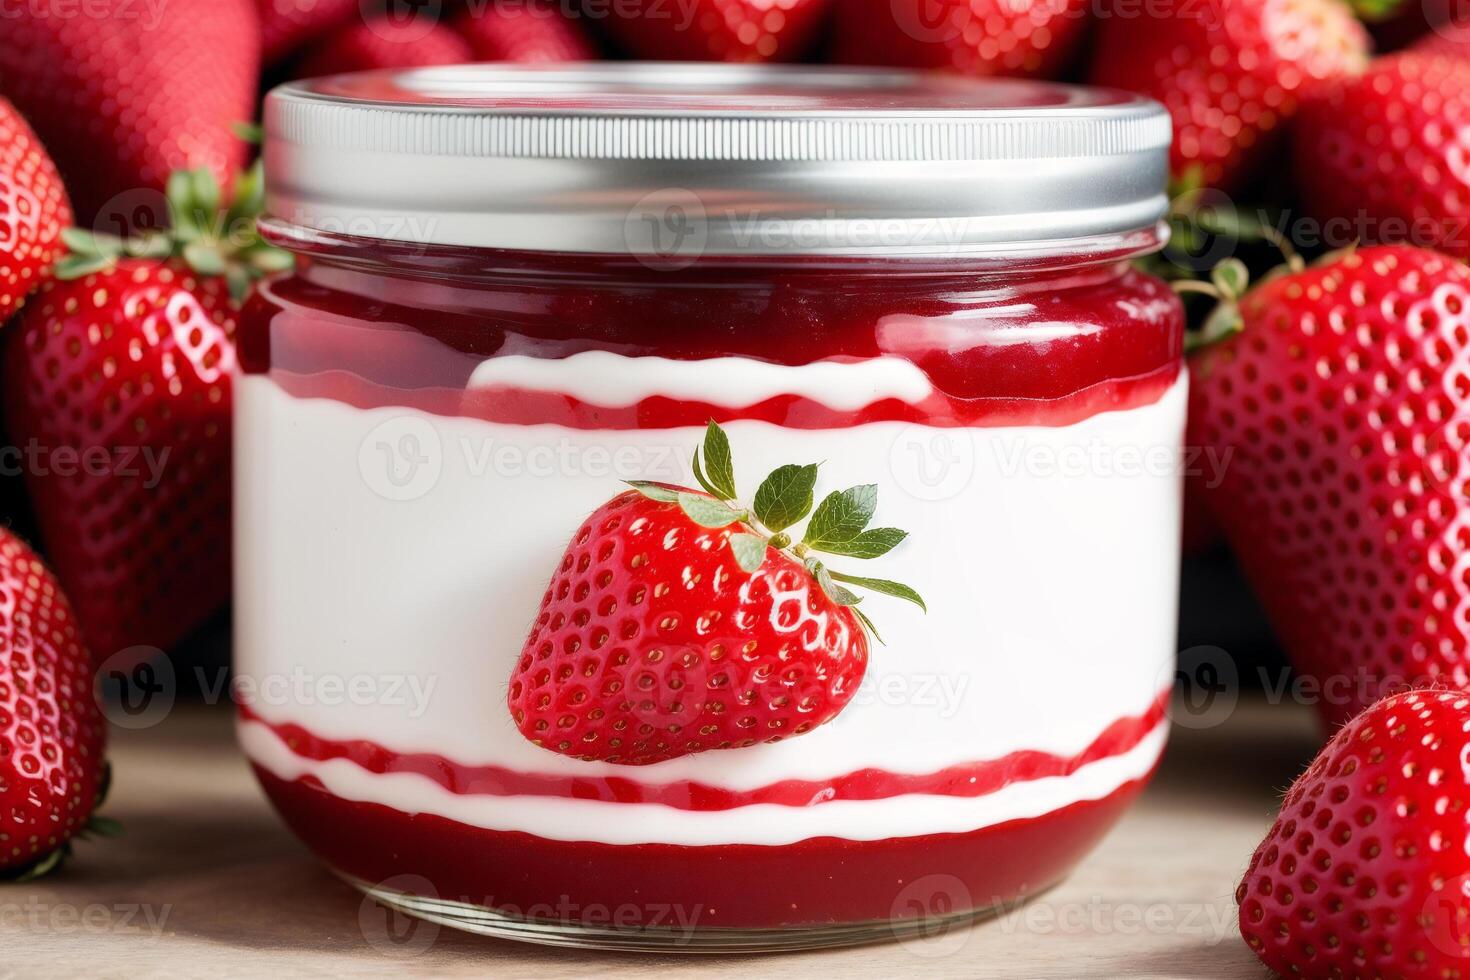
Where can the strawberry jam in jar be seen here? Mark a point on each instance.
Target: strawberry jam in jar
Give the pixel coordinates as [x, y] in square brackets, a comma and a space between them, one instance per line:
[704, 507]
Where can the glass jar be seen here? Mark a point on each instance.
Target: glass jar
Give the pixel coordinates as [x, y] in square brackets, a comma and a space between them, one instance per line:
[522, 289]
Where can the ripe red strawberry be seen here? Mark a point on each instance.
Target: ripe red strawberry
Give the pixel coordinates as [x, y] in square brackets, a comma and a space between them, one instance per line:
[52, 734]
[33, 210]
[1384, 155]
[977, 37]
[525, 32]
[387, 42]
[718, 30]
[1365, 872]
[1339, 410]
[117, 390]
[122, 93]
[1451, 38]
[1231, 72]
[286, 25]
[678, 622]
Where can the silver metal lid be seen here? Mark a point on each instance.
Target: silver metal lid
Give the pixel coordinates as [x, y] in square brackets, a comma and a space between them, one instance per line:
[674, 161]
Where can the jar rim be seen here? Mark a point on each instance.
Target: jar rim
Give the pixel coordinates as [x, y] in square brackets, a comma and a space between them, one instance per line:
[681, 161]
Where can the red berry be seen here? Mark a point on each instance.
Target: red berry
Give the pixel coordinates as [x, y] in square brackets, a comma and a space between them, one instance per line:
[122, 93]
[718, 30]
[52, 734]
[524, 32]
[1384, 155]
[1231, 72]
[977, 37]
[33, 210]
[1365, 872]
[1339, 414]
[286, 25]
[652, 643]
[387, 42]
[122, 378]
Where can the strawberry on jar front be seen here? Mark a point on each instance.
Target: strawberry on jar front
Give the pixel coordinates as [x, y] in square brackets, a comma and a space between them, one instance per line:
[707, 507]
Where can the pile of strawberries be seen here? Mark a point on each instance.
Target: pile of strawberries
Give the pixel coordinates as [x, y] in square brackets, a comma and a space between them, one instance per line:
[1339, 390]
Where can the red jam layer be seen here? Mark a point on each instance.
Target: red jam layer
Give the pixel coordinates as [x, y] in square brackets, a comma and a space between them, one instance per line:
[1040, 348]
[813, 882]
[969, 780]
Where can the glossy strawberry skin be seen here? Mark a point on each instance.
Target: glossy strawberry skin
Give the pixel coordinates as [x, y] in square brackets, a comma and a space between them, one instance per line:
[1231, 72]
[384, 42]
[1340, 410]
[975, 37]
[1389, 148]
[33, 210]
[1365, 872]
[652, 643]
[131, 367]
[717, 30]
[123, 93]
[286, 25]
[52, 733]
[524, 33]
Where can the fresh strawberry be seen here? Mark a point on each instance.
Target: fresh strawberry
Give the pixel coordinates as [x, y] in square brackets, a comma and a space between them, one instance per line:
[977, 37]
[528, 32]
[1451, 38]
[1231, 72]
[1383, 156]
[717, 30]
[52, 733]
[33, 210]
[287, 25]
[118, 374]
[679, 622]
[386, 42]
[1338, 410]
[122, 93]
[1365, 872]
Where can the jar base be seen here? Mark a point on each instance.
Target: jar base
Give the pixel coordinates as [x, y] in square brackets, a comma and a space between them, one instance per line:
[484, 921]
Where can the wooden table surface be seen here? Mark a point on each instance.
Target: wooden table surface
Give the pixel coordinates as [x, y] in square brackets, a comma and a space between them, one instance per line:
[206, 882]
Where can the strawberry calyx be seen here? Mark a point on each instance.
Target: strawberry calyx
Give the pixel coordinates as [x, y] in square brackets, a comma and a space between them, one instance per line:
[211, 238]
[838, 525]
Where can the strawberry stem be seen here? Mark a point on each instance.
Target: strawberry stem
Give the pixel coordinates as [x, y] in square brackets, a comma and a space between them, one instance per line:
[212, 239]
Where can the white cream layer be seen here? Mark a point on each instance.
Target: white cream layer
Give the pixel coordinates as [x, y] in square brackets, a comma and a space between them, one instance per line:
[651, 823]
[1048, 556]
[603, 378]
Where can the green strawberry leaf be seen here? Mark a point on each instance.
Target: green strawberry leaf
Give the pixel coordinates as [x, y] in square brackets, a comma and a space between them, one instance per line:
[872, 543]
[248, 132]
[81, 242]
[895, 589]
[655, 491]
[786, 496]
[204, 259]
[869, 624]
[706, 512]
[718, 464]
[78, 266]
[835, 592]
[204, 194]
[750, 551]
[841, 517]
